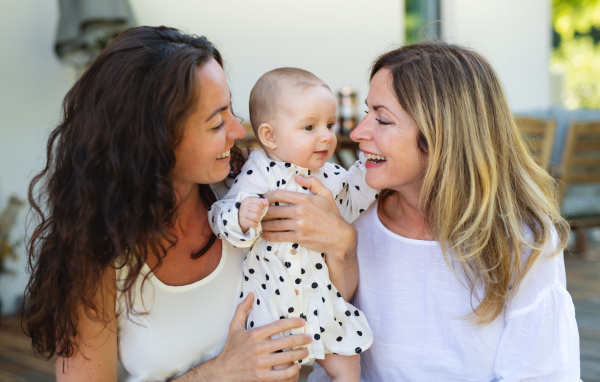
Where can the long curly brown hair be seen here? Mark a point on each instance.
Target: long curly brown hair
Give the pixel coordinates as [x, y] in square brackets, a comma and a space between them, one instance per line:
[105, 192]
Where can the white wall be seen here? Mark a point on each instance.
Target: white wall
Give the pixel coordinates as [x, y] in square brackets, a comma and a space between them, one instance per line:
[514, 35]
[336, 39]
[32, 85]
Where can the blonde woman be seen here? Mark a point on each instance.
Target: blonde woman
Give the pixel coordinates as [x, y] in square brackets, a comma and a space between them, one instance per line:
[461, 260]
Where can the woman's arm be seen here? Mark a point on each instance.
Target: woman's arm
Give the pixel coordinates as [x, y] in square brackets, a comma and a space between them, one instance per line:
[314, 222]
[540, 340]
[95, 356]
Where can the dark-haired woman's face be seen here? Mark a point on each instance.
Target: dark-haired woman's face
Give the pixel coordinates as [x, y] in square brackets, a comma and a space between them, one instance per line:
[202, 156]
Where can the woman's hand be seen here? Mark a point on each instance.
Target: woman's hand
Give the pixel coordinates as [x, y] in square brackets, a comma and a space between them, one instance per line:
[314, 222]
[249, 355]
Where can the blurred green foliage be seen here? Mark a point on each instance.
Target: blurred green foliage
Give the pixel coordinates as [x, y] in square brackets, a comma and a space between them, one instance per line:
[413, 19]
[577, 51]
[421, 20]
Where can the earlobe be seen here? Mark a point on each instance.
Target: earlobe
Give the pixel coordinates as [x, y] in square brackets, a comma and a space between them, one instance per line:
[266, 136]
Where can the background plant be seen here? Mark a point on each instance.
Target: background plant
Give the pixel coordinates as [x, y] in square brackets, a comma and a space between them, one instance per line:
[7, 221]
[576, 51]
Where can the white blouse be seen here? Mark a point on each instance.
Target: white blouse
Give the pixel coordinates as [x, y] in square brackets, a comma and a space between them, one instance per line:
[415, 305]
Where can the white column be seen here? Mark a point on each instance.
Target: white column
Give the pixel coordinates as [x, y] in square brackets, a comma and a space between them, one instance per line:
[514, 35]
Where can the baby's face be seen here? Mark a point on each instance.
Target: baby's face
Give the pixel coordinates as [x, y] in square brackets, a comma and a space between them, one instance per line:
[303, 126]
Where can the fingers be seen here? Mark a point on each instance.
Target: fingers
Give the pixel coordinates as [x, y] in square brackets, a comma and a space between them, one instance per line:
[277, 225]
[276, 327]
[253, 205]
[289, 356]
[314, 185]
[248, 221]
[283, 196]
[286, 374]
[250, 212]
[289, 342]
[238, 322]
[287, 237]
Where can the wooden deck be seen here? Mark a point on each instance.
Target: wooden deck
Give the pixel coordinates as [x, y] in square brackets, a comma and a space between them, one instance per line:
[583, 282]
[18, 363]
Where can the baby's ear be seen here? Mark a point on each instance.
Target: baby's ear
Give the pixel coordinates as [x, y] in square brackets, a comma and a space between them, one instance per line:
[266, 136]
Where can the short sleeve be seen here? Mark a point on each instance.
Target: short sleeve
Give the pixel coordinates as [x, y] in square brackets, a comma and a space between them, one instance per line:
[540, 341]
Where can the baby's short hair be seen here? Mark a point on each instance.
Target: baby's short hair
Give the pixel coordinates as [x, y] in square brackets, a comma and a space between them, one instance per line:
[267, 90]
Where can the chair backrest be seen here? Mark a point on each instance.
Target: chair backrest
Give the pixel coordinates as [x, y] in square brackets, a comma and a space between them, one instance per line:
[581, 158]
[250, 139]
[539, 134]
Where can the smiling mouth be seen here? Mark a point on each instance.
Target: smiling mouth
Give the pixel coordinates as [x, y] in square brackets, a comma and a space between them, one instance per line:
[375, 158]
[224, 154]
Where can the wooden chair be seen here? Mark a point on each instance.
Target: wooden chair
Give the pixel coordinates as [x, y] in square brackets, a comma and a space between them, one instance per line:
[539, 134]
[581, 166]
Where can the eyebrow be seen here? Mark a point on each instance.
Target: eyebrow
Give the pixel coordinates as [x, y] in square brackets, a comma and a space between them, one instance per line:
[376, 107]
[221, 109]
[217, 112]
[311, 120]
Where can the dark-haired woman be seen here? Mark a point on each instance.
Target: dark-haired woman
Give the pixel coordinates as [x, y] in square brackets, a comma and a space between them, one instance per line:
[123, 262]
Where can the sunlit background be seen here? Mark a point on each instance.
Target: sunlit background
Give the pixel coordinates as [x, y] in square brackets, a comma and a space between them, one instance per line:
[546, 52]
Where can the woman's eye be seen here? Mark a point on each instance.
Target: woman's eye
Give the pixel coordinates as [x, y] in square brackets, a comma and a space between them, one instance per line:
[383, 122]
[309, 128]
[330, 126]
[218, 127]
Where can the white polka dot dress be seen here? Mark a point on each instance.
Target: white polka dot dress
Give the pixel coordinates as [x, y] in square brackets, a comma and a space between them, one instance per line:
[288, 280]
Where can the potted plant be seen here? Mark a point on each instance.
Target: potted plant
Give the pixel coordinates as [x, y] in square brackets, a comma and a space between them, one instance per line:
[7, 221]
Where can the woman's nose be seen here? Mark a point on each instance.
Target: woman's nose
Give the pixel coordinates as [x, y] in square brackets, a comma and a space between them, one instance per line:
[360, 131]
[237, 131]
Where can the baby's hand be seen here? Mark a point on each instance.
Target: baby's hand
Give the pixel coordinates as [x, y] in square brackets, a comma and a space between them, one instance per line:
[250, 212]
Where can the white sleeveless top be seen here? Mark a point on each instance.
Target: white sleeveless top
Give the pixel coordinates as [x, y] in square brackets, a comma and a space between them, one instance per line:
[185, 325]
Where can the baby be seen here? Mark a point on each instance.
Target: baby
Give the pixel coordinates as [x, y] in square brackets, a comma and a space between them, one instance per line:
[292, 114]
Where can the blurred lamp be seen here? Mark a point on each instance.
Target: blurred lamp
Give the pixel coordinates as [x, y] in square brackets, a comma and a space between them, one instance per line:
[87, 26]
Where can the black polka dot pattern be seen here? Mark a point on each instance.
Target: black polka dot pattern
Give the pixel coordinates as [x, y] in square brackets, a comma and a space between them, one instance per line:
[270, 264]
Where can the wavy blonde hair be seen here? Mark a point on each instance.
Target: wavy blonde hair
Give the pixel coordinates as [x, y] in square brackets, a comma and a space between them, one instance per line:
[483, 196]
